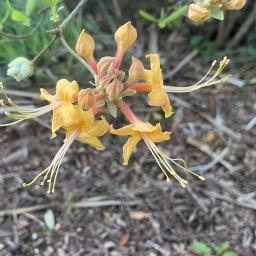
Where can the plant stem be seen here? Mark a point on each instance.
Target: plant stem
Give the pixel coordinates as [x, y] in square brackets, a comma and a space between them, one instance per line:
[13, 36]
[126, 111]
[68, 19]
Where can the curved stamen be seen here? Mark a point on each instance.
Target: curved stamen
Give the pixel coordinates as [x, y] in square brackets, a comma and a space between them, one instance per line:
[164, 162]
[21, 113]
[199, 84]
[50, 174]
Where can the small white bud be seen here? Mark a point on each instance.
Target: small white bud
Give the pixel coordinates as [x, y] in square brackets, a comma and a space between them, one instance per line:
[20, 68]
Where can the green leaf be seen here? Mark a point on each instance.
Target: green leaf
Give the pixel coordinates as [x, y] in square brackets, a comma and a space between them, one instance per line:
[173, 16]
[30, 6]
[147, 16]
[230, 253]
[19, 16]
[128, 92]
[201, 247]
[217, 14]
[112, 108]
[222, 247]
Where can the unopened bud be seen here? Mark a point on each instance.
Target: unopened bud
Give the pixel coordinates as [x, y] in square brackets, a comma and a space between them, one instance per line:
[85, 45]
[104, 65]
[125, 36]
[136, 71]
[20, 68]
[86, 98]
[113, 90]
[197, 12]
[234, 4]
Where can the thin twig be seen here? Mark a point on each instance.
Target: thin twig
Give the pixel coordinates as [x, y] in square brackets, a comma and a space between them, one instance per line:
[31, 33]
[222, 127]
[89, 203]
[44, 49]
[24, 209]
[181, 64]
[68, 19]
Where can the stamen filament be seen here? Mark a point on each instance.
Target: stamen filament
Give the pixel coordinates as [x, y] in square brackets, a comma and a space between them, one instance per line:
[51, 172]
[198, 85]
[163, 162]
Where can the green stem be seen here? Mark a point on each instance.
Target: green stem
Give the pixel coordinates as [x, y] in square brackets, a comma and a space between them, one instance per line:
[44, 49]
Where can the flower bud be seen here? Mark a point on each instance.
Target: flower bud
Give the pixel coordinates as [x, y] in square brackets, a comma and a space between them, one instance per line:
[85, 45]
[125, 36]
[113, 90]
[86, 98]
[197, 12]
[136, 71]
[20, 68]
[104, 65]
[234, 4]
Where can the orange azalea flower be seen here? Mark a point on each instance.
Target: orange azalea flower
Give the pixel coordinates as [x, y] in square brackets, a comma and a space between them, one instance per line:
[151, 134]
[158, 96]
[136, 131]
[79, 125]
[65, 93]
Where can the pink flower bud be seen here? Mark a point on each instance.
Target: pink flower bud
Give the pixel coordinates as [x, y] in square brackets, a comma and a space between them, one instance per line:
[234, 4]
[136, 71]
[86, 98]
[85, 45]
[197, 12]
[113, 90]
[104, 65]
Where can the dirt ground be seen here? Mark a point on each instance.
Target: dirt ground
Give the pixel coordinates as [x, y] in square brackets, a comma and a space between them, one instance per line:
[103, 208]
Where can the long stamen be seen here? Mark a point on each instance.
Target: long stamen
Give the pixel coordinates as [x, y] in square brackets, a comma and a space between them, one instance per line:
[164, 163]
[198, 85]
[50, 173]
[21, 113]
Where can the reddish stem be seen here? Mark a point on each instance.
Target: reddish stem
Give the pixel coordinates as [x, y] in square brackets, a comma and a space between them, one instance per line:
[118, 59]
[92, 62]
[139, 87]
[127, 112]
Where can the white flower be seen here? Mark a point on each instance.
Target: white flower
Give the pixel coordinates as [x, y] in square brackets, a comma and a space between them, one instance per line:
[20, 68]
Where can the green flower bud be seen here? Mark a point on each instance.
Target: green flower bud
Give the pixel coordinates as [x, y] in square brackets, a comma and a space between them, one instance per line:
[20, 68]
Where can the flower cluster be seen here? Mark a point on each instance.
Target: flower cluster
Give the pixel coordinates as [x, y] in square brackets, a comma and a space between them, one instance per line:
[204, 9]
[79, 111]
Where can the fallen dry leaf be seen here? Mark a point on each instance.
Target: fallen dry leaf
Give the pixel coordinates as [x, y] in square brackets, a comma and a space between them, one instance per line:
[124, 239]
[139, 215]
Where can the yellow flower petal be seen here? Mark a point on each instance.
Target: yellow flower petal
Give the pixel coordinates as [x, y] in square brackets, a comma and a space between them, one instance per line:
[143, 127]
[92, 141]
[154, 61]
[99, 128]
[65, 90]
[147, 76]
[158, 96]
[57, 121]
[46, 95]
[158, 135]
[129, 147]
[124, 131]
[63, 117]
